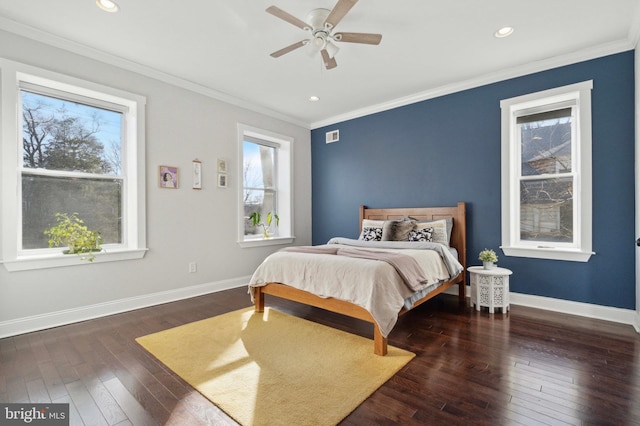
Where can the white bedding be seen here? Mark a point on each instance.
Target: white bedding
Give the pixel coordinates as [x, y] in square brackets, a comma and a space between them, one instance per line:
[371, 284]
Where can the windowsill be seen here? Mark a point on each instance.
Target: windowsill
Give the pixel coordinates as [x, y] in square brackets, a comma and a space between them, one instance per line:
[27, 263]
[548, 253]
[259, 242]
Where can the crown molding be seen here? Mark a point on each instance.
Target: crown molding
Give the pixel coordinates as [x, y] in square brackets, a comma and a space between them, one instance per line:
[506, 74]
[542, 65]
[101, 56]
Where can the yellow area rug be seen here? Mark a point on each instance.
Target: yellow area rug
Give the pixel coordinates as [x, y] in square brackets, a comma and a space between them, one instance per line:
[274, 368]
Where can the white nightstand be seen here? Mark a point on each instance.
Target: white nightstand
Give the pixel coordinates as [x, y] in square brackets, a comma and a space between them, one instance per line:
[490, 288]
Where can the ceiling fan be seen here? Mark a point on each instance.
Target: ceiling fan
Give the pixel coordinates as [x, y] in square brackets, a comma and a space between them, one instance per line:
[320, 23]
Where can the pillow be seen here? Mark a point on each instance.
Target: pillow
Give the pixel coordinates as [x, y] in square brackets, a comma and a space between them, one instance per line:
[370, 233]
[441, 229]
[368, 223]
[397, 230]
[422, 235]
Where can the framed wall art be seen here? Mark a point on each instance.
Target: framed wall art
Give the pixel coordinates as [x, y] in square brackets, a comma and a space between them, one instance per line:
[222, 180]
[197, 174]
[168, 176]
[222, 166]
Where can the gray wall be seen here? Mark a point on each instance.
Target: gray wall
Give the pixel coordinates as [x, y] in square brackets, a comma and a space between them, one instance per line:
[183, 225]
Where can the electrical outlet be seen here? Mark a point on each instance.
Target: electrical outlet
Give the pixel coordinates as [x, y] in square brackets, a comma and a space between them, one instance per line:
[193, 267]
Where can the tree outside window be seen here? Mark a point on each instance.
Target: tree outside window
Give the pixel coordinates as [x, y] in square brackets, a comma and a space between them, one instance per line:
[72, 163]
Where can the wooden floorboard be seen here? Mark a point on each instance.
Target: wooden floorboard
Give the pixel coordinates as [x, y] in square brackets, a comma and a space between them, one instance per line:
[529, 367]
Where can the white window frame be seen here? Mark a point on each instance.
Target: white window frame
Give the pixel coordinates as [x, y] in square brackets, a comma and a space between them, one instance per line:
[284, 180]
[578, 95]
[133, 246]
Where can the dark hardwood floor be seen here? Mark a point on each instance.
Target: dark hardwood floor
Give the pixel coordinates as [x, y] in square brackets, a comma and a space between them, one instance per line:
[528, 367]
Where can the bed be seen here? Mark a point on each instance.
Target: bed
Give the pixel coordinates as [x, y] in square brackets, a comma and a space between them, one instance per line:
[283, 274]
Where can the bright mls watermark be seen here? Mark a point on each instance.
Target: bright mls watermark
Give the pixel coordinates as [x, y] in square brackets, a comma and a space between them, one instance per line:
[34, 414]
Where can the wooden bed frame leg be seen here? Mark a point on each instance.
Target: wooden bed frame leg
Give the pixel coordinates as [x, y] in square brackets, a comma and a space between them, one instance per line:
[258, 297]
[379, 342]
[462, 289]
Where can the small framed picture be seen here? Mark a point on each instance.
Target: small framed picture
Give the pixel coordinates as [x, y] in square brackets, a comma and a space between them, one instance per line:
[222, 180]
[197, 174]
[222, 166]
[168, 176]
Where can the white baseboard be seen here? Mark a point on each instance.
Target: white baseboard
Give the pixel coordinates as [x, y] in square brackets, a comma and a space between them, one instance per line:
[68, 316]
[55, 319]
[606, 313]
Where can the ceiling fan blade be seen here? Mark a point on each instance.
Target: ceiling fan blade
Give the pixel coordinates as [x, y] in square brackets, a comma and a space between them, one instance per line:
[288, 49]
[364, 38]
[329, 63]
[338, 12]
[285, 16]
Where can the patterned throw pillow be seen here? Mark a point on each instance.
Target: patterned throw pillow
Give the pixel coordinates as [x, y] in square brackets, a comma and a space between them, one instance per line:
[422, 235]
[371, 234]
[368, 223]
[441, 230]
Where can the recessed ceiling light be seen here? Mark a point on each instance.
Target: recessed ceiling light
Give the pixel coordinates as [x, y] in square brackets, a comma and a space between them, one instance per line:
[314, 98]
[107, 5]
[503, 32]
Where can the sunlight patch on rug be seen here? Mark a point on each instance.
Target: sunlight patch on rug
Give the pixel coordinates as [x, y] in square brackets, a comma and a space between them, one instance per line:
[274, 368]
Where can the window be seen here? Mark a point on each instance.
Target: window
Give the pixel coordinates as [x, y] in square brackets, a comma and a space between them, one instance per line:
[260, 192]
[265, 168]
[546, 174]
[69, 146]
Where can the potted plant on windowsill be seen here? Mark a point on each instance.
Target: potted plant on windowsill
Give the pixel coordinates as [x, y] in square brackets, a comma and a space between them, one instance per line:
[70, 231]
[489, 258]
[256, 220]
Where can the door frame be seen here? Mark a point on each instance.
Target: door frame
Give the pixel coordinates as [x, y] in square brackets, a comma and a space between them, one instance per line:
[636, 324]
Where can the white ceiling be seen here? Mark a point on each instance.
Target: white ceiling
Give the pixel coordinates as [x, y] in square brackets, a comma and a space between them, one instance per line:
[428, 47]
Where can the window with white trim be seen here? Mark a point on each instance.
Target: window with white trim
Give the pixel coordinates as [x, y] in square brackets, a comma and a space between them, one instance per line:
[546, 174]
[265, 170]
[73, 147]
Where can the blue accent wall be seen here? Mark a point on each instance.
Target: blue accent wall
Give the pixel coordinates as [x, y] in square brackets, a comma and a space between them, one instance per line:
[444, 150]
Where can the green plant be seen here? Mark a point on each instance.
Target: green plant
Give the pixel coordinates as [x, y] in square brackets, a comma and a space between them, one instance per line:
[256, 220]
[488, 255]
[71, 232]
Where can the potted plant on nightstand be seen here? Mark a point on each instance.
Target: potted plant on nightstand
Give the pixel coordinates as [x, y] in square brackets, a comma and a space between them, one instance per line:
[74, 234]
[256, 220]
[489, 258]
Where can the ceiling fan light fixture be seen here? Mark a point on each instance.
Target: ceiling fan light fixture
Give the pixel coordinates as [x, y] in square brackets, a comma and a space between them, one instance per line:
[313, 98]
[503, 32]
[315, 46]
[107, 5]
[332, 49]
[319, 42]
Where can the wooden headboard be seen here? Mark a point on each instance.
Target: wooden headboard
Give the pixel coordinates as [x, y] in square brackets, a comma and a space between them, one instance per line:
[458, 233]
